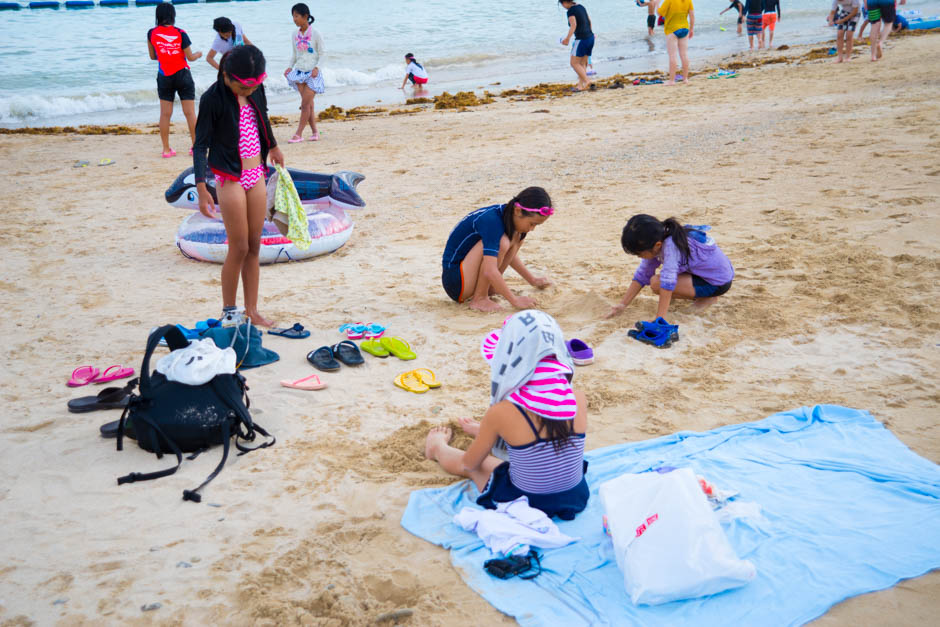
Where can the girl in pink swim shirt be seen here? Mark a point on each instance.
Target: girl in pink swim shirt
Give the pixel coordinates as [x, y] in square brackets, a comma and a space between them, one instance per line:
[233, 127]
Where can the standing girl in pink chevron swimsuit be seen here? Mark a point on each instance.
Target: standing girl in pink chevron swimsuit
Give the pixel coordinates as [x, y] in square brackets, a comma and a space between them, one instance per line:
[233, 126]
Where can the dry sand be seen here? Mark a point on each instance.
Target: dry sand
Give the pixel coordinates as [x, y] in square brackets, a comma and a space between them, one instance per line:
[820, 181]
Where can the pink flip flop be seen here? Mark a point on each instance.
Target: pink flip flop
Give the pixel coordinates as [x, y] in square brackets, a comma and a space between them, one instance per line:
[168, 154]
[314, 138]
[296, 139]
[83, 375]
[112, 373]
[307, 383]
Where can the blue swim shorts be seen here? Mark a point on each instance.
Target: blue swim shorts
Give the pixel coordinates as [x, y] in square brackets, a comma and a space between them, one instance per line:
[452, 280]
[582, 47]
[704, 289]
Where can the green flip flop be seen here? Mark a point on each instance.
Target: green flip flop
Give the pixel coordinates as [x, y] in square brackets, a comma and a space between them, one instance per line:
[398, 347]
[374, 347]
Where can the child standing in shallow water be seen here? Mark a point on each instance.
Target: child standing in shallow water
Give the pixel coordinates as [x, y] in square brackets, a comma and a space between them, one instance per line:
[693, 267]
[755, 20]
[233, 127]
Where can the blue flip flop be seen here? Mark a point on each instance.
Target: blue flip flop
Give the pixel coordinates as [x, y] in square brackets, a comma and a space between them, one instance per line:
[323, 359]
[296, 332]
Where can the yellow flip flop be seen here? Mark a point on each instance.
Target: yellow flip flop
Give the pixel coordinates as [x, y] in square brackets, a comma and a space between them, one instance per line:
[374, 347]
[398, 347]
[411, 382]
[427, 377]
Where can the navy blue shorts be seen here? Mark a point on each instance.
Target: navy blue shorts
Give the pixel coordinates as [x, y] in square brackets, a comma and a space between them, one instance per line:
[452, 280]
[583, 47]
[564, 505]
[704, 289]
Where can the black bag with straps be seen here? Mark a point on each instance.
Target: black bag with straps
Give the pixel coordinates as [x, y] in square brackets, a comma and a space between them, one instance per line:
[172, 417]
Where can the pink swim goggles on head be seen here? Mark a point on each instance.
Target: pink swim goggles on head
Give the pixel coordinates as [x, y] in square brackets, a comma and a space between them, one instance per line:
[250, 82]
[545, 211]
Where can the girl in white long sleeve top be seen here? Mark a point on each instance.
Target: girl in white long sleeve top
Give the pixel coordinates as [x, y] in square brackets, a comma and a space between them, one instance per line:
[303, 73]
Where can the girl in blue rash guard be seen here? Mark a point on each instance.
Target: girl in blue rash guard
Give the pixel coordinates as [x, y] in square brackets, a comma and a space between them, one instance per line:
[486, 242]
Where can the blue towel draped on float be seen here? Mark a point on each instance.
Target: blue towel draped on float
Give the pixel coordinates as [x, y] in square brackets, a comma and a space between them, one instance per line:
[847, 509]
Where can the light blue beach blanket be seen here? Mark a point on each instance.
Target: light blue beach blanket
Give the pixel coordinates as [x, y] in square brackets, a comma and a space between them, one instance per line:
[847, 509]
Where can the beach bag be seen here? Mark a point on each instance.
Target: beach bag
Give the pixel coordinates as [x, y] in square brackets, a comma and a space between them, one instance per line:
[667, 539]
[286, 210]
[173, 417]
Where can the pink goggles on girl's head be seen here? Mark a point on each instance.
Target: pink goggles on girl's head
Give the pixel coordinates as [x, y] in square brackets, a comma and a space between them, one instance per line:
[545, 211]
[251, 82]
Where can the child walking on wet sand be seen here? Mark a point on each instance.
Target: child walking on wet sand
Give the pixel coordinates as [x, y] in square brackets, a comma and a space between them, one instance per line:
[579, 25]
[233, 127]
[693, 267]
[843, 16]
[304, 74]
[754, 9]
[170, 47]
[679, 28]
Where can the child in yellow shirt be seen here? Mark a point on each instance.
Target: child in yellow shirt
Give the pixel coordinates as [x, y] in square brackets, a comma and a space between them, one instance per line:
[679, 27]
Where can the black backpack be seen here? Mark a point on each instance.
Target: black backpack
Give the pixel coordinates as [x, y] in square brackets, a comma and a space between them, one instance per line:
[172, 417]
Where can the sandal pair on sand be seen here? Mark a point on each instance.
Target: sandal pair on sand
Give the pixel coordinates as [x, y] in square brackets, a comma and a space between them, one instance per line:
[358, 330]
[83, 375]
[325, 358]
[296, 139]
[418, 381]
[385, 346]
[658, 332]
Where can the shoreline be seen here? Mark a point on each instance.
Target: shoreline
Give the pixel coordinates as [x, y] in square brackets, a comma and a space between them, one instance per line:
[820, 183]
[741, 60]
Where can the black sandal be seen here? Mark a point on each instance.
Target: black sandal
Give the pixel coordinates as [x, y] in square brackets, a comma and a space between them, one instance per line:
[322, 359]
[348, 353]
[108, 398]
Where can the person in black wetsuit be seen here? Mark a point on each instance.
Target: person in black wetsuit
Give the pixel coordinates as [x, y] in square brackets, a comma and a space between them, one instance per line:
[579, 25]
[737, 6]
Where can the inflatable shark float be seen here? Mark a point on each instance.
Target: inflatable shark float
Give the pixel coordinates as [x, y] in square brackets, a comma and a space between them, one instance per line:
[326, 197]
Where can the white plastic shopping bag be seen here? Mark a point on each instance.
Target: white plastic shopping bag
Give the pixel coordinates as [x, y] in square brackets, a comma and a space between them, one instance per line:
[667, 540]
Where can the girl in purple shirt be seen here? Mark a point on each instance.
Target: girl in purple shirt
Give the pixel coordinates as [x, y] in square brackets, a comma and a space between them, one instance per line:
[693, 267]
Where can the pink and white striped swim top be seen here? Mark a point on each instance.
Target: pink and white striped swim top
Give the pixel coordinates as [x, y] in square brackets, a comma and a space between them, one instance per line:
[249, 144]
[548, 393]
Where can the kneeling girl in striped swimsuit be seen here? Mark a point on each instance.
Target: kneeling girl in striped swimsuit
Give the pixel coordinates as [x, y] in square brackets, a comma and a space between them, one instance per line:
[536, 412]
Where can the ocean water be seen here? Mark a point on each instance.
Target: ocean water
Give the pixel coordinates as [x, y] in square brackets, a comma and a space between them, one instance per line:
[91, 66]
